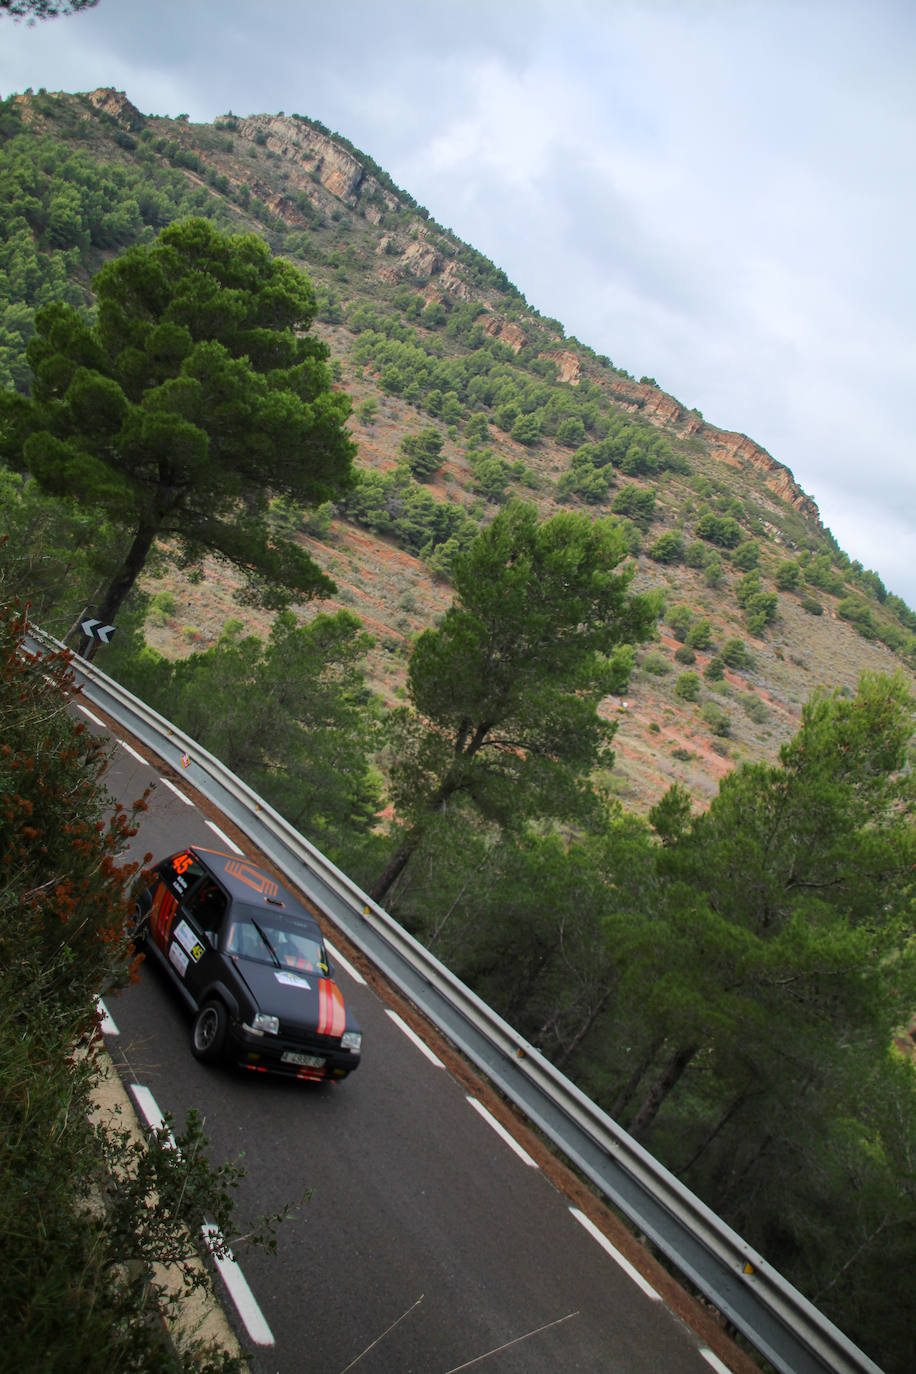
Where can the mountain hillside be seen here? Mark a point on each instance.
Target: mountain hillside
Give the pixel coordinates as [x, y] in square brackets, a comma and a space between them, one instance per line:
[463, 396]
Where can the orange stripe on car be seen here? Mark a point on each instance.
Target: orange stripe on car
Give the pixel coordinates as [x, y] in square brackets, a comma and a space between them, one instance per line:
[164, 906]
[332, 1016]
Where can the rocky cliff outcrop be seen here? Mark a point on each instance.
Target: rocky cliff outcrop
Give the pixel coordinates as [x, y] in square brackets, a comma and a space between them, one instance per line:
[116, 104]
[569, 366]
[506, 331]
[317, 157]
[737, 450]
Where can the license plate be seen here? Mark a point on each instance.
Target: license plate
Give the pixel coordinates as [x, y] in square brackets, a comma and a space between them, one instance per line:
[305, 1061]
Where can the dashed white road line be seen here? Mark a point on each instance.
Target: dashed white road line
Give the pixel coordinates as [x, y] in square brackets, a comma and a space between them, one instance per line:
[341, 962]
[86, 712]
[225, 838]
[415, 1039]
[615, 1254]
[714, 1360]
[148, 1108]
[503, 1134]
[139, 757]
[177, 790]
[246, 1304]
[107, 1024]
[239, 1291]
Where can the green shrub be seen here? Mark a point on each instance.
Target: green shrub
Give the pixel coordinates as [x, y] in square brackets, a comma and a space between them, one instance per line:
[712, 573]
[687, 687]
[735, 654]
[424, 453]
[755, 709]
[679, 619]
[668, 548]
[746, 555]
[787, 576]
[718, 720]
[699, 636]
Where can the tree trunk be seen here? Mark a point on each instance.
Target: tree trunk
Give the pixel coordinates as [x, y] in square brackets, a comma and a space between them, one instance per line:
[120, 585]
[624, 1097]
[720, 1125]
[395, 866]
[660, 1089]
[402, 857]
[582, 1032]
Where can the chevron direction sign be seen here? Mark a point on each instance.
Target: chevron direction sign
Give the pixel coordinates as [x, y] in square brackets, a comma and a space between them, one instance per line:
[94, 629]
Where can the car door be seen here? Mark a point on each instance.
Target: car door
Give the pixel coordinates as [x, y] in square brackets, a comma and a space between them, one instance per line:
[193, 951]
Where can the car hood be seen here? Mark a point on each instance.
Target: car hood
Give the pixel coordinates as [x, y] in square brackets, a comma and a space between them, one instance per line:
[304, 998]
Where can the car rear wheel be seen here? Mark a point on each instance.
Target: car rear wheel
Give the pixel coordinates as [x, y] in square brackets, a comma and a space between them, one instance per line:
[208, 1034]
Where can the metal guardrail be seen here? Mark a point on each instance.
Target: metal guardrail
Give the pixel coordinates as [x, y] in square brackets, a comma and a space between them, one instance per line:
[773, 1316]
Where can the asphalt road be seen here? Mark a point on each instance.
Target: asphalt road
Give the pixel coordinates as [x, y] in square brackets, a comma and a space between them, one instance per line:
[428, 1244]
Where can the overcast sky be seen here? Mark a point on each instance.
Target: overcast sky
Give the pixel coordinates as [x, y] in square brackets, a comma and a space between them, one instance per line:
[718, 193]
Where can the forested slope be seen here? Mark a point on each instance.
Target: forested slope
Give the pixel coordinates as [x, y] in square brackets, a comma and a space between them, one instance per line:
[464, 397]
[562, 710]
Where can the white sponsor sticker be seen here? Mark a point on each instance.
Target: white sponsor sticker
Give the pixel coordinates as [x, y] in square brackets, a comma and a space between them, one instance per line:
[188, 941]
[293, 980]
[178, 958]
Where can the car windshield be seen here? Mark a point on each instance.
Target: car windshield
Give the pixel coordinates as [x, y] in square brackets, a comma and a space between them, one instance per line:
[266, 940]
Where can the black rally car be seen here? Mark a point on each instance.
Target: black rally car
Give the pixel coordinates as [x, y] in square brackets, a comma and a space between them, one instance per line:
[251, 963]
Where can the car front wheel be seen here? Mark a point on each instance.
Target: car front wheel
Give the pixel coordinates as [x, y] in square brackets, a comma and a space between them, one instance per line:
[208, 1035]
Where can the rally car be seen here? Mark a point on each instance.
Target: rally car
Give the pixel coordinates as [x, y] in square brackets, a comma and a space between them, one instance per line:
[251, 963]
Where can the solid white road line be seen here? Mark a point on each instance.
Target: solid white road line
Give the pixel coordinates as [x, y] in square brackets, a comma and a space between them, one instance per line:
[225, 838]
[714, 1360]
[503, 1134]
[615, 1254]
[177, 790]
[343, 963]
[86, 712]
[139, 757]
[239, 1291]
[412, 1036]
[107, 1025]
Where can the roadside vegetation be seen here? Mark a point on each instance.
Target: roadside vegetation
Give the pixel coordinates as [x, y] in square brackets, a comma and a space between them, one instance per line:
[87, 1211]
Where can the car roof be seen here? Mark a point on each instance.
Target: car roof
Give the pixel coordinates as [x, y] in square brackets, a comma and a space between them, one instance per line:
[245, 881]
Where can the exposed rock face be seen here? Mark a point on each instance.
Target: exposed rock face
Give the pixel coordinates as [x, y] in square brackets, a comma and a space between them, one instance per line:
[317, 157]
[455, 284]
[505, 331]
[116, 104]
[737, 450]
[421, 261]
[569, 367]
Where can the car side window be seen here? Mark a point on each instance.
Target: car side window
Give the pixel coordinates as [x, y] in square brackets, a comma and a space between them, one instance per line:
[207, 905]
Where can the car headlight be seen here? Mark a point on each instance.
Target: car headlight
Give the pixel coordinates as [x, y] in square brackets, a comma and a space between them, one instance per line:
[264, 1025]
[351, 1040]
